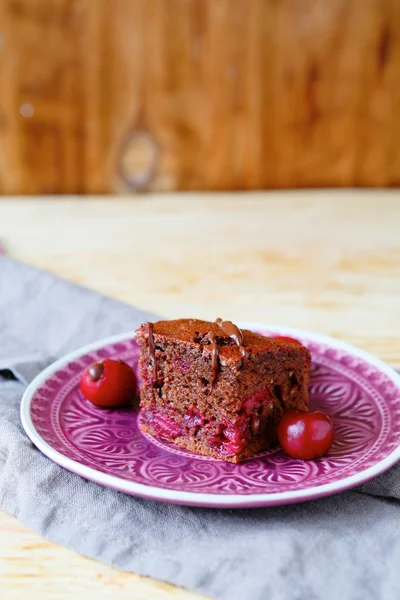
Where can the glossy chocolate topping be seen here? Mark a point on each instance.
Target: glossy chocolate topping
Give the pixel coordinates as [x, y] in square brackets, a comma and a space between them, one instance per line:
[233, 332]
[230, 329]
[96, 371]
[152, 349]
[214, 360]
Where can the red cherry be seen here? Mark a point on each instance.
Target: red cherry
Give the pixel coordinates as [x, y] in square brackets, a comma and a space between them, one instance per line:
[284, 338]
[305, 435]
[108, 383]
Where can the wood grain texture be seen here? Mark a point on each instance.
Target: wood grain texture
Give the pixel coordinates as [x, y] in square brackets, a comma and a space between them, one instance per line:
[325, 261]
[224, 95]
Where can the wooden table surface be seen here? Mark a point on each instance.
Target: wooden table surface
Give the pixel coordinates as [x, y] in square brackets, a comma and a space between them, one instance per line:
[326, 261]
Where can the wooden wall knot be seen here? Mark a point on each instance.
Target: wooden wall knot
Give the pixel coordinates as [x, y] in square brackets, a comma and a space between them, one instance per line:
[138, 159]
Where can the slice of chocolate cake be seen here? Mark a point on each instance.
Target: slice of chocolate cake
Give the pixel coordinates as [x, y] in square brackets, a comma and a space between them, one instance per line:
[216, 390]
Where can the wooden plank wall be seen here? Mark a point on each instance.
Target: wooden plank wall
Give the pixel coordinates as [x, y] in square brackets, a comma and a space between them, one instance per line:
[102, 96]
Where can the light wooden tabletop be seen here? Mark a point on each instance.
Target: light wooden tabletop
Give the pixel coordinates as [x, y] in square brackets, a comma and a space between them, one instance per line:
[325, 261]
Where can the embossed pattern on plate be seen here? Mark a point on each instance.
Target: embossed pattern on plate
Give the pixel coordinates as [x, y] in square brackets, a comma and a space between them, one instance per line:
[363, 401]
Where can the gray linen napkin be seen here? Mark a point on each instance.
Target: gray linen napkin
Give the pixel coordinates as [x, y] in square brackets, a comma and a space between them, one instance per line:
[346, 546]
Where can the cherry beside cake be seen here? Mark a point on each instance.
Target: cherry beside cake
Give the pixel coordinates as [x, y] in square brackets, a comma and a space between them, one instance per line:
[215, 389]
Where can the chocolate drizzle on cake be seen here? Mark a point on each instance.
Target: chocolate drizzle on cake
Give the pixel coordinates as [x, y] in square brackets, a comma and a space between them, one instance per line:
[232, 331]
[214, 360]
[152, 349]
[235, 333]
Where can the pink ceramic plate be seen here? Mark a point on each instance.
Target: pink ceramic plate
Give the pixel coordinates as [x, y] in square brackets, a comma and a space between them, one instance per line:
[361, 394]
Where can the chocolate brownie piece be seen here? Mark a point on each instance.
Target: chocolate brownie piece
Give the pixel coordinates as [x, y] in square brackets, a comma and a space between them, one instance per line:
[215, 389]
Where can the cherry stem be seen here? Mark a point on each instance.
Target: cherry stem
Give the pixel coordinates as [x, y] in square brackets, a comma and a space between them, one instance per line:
[96, 371]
